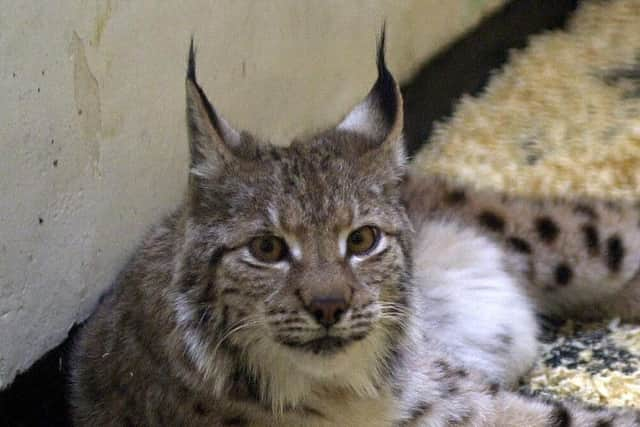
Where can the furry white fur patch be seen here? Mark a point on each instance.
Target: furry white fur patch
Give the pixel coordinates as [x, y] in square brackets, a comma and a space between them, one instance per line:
[469, 303]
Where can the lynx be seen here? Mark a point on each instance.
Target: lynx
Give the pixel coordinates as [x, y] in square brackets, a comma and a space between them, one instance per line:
[326, 284]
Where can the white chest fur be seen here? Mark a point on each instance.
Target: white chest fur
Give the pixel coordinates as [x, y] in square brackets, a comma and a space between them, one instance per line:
[341, 411]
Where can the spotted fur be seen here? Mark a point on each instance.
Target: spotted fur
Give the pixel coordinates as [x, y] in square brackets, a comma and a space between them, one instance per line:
[435, 321]
[575, 258]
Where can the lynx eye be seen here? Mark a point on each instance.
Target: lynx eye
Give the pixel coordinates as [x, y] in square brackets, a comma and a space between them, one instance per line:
[362, 240]
[268, 248]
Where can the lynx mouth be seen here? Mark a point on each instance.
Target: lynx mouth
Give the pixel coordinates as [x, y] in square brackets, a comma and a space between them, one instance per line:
[326, 345]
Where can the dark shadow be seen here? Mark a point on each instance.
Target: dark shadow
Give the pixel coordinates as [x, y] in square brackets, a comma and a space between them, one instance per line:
[39, 396]
[466, 65]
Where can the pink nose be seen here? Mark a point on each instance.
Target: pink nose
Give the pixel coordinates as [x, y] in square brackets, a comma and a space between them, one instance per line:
[327, 310]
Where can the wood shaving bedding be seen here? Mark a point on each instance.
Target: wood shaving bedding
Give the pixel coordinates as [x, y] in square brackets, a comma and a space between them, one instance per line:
[597, 363]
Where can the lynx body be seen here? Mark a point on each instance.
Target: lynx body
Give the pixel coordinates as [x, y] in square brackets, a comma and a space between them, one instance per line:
[324, 284]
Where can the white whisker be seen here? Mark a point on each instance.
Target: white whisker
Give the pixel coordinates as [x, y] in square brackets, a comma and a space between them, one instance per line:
[243, 324]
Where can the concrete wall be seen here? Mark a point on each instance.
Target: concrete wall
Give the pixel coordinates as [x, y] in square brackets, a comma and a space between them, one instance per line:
[93, 147]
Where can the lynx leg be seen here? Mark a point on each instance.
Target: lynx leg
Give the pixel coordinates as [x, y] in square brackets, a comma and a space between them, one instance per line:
[513, 410]
[508, 409]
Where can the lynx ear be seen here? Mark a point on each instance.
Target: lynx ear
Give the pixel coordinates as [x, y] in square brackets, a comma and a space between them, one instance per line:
[379, 116]
[211, 139]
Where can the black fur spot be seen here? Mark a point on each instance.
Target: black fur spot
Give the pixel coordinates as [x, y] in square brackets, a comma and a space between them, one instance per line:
[563, 274]
[591, 239]
[358, 337]
[460, 420]
[443, 365]
[199, 408]
[491, 220]
[462, 373]
[519, 245]
[189, 282]
[615, 253]
[604, 423]
[452, 389]
[419, 410]
[505, 339]
[235, 421]
[547, 229]
[494, 388]
[204, 316]
[216, 256]
[275, 155]
[560, 416]
[586, 210]
[456, 197]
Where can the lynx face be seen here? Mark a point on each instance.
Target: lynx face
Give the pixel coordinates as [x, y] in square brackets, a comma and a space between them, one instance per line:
[299, 252]
[315, 253]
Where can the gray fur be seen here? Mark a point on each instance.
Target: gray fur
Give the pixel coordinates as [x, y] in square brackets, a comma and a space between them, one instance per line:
[438, 313]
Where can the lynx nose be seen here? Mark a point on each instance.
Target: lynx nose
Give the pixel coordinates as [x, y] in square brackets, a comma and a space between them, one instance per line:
[327, 310]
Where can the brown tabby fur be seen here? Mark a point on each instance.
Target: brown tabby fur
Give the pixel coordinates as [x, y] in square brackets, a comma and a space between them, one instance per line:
[197, 332]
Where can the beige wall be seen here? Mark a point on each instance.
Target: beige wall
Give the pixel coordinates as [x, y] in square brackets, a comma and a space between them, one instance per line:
[93, 146]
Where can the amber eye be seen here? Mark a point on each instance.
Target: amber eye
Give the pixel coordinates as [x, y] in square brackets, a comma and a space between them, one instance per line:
[268, 248]
[362, 240]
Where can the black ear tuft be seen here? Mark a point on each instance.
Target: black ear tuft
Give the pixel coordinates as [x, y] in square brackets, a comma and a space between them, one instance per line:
[379, 116]
[211, 139]
[382, 66]
[191, 63]
[385, 86]
[203, 101]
